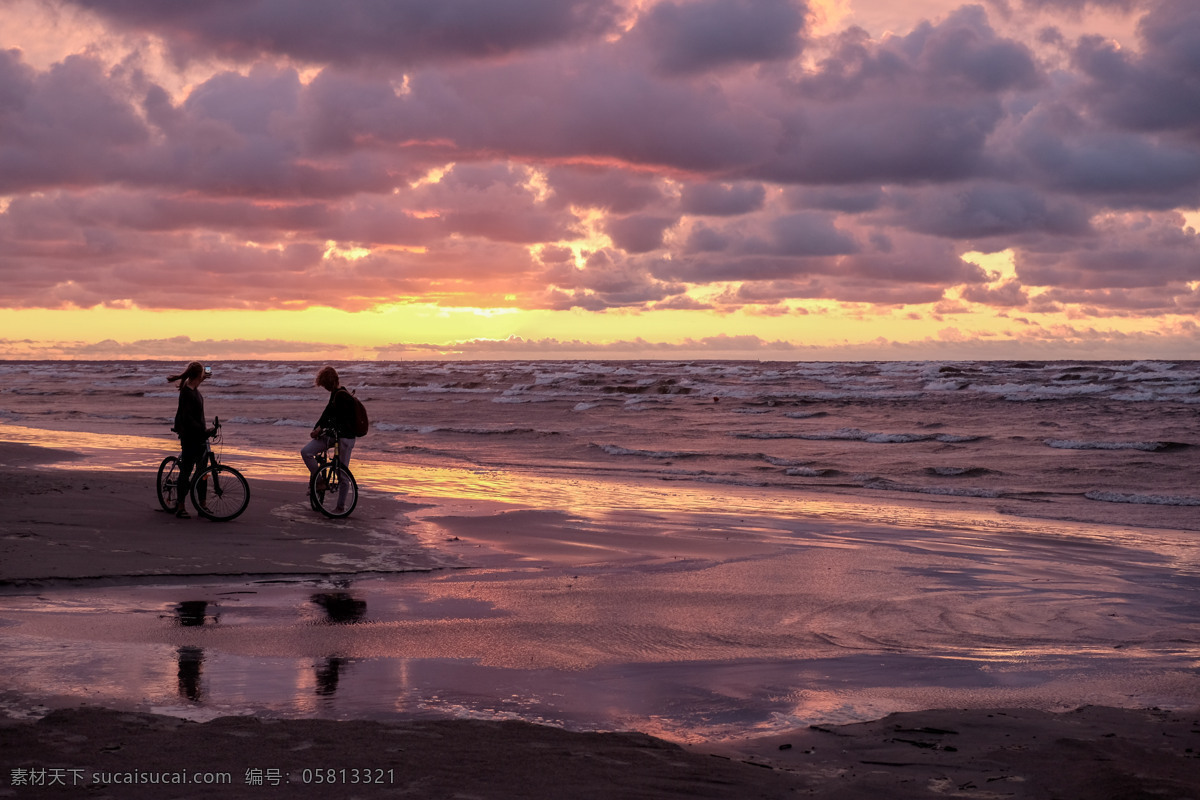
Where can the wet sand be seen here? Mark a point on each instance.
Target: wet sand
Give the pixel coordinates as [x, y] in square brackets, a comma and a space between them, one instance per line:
[68, 527]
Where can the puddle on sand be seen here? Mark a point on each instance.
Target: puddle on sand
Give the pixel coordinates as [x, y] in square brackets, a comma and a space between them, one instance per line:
[399, 646]
[300, 649]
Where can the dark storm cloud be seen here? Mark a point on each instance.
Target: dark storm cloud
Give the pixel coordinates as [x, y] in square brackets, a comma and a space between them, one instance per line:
[1083, 5]
[914, 108]
[987, 210]
[639, 233]
[607, 189]
[703, 35]
[355, 31]
[608, 280]
[1157, 89]
[68, 124]
[722, 200]
[583, 106]
[851, 200]
[1122, 168]
[1009, 294]
[809, 233]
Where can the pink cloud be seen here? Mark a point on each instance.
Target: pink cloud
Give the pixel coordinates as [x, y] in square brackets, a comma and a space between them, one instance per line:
[712, 141]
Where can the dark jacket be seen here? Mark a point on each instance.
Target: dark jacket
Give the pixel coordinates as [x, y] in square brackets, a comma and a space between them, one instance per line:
[339, 414]
[189, 418]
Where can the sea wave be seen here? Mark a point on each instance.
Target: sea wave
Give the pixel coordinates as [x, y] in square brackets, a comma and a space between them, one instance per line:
[1143, 499]
[810, 472]
[951, 491]
[1072, 444]
[856, 435]
[617, 450]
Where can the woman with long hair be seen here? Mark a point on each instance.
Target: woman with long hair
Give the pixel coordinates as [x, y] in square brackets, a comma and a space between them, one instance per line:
[190, 426]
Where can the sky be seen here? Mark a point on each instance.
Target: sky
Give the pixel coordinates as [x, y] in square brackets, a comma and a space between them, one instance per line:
[674, 179]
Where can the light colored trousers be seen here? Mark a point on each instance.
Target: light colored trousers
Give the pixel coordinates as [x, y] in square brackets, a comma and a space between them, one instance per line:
[320, 445]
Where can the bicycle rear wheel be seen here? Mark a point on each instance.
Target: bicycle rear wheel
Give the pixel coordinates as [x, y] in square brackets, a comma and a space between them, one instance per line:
[333, 491]
[220, 493]
[168, 483]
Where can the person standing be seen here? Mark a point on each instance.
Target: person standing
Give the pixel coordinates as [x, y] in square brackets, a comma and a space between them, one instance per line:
[190, 427]
[337, 421]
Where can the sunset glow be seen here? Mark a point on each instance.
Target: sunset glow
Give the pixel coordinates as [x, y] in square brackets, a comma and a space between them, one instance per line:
[600, 179]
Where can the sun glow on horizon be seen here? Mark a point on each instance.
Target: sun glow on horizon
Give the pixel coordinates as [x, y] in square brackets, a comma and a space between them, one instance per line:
[818, 329]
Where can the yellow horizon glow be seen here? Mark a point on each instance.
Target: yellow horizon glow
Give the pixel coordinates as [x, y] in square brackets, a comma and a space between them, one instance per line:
[397, 332]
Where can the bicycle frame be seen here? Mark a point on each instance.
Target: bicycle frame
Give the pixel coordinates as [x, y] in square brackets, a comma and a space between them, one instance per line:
[331, 478]
[210, 479]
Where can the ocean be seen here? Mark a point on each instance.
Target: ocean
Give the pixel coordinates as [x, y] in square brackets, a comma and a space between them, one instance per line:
[1115, 442]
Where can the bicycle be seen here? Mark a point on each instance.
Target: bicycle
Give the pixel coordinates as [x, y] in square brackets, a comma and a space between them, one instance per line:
[332, 489]
[219, 492]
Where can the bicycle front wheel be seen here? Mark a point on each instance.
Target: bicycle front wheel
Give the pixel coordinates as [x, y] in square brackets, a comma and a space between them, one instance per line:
[168, 483]
[220, 493]
[333, 491]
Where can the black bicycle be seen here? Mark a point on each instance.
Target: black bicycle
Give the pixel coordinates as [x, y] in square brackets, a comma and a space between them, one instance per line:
[332, 489]
[219, 492]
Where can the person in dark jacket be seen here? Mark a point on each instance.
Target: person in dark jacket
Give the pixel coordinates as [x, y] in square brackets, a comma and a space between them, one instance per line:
[190, 427]
[338, 419]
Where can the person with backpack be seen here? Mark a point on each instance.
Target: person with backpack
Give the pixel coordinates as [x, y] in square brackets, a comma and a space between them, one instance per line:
[344, 416]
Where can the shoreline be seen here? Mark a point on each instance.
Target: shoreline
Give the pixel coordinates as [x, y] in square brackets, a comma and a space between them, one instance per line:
[55, 541]
[1093, 752]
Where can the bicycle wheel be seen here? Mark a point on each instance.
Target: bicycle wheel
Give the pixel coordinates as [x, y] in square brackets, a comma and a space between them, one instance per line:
[334, 491]
[168, 483]
[220, 493]
[312, 496]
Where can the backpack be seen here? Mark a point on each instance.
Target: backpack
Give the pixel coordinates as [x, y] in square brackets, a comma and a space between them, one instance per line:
[361, 422]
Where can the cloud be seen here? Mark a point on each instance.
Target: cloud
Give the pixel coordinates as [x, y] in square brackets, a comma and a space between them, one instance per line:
[704, 35]
[182, 348]
[69, 124]
[401, 32]
[721, 345]
[1155, 88]
[722, 199]
[639, 233]
[608, 189]
[466, 152]
[988, 210]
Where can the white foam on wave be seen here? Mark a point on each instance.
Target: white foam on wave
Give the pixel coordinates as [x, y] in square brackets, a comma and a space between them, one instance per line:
[1039, 391]
[1143, 499]
[854, 434]
[288, 382]
[783, 462]
[1070, 444]
[946, 385]
[948, 491]
[617, 450]
[807, 472]
[392, 427]
[861, 394]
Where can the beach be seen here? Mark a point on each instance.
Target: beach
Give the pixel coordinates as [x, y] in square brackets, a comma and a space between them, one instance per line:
[552, 593]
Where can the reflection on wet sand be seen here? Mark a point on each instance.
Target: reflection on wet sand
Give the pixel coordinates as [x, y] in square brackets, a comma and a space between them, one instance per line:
[191, 661]
[191, 614]
[340, 609]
